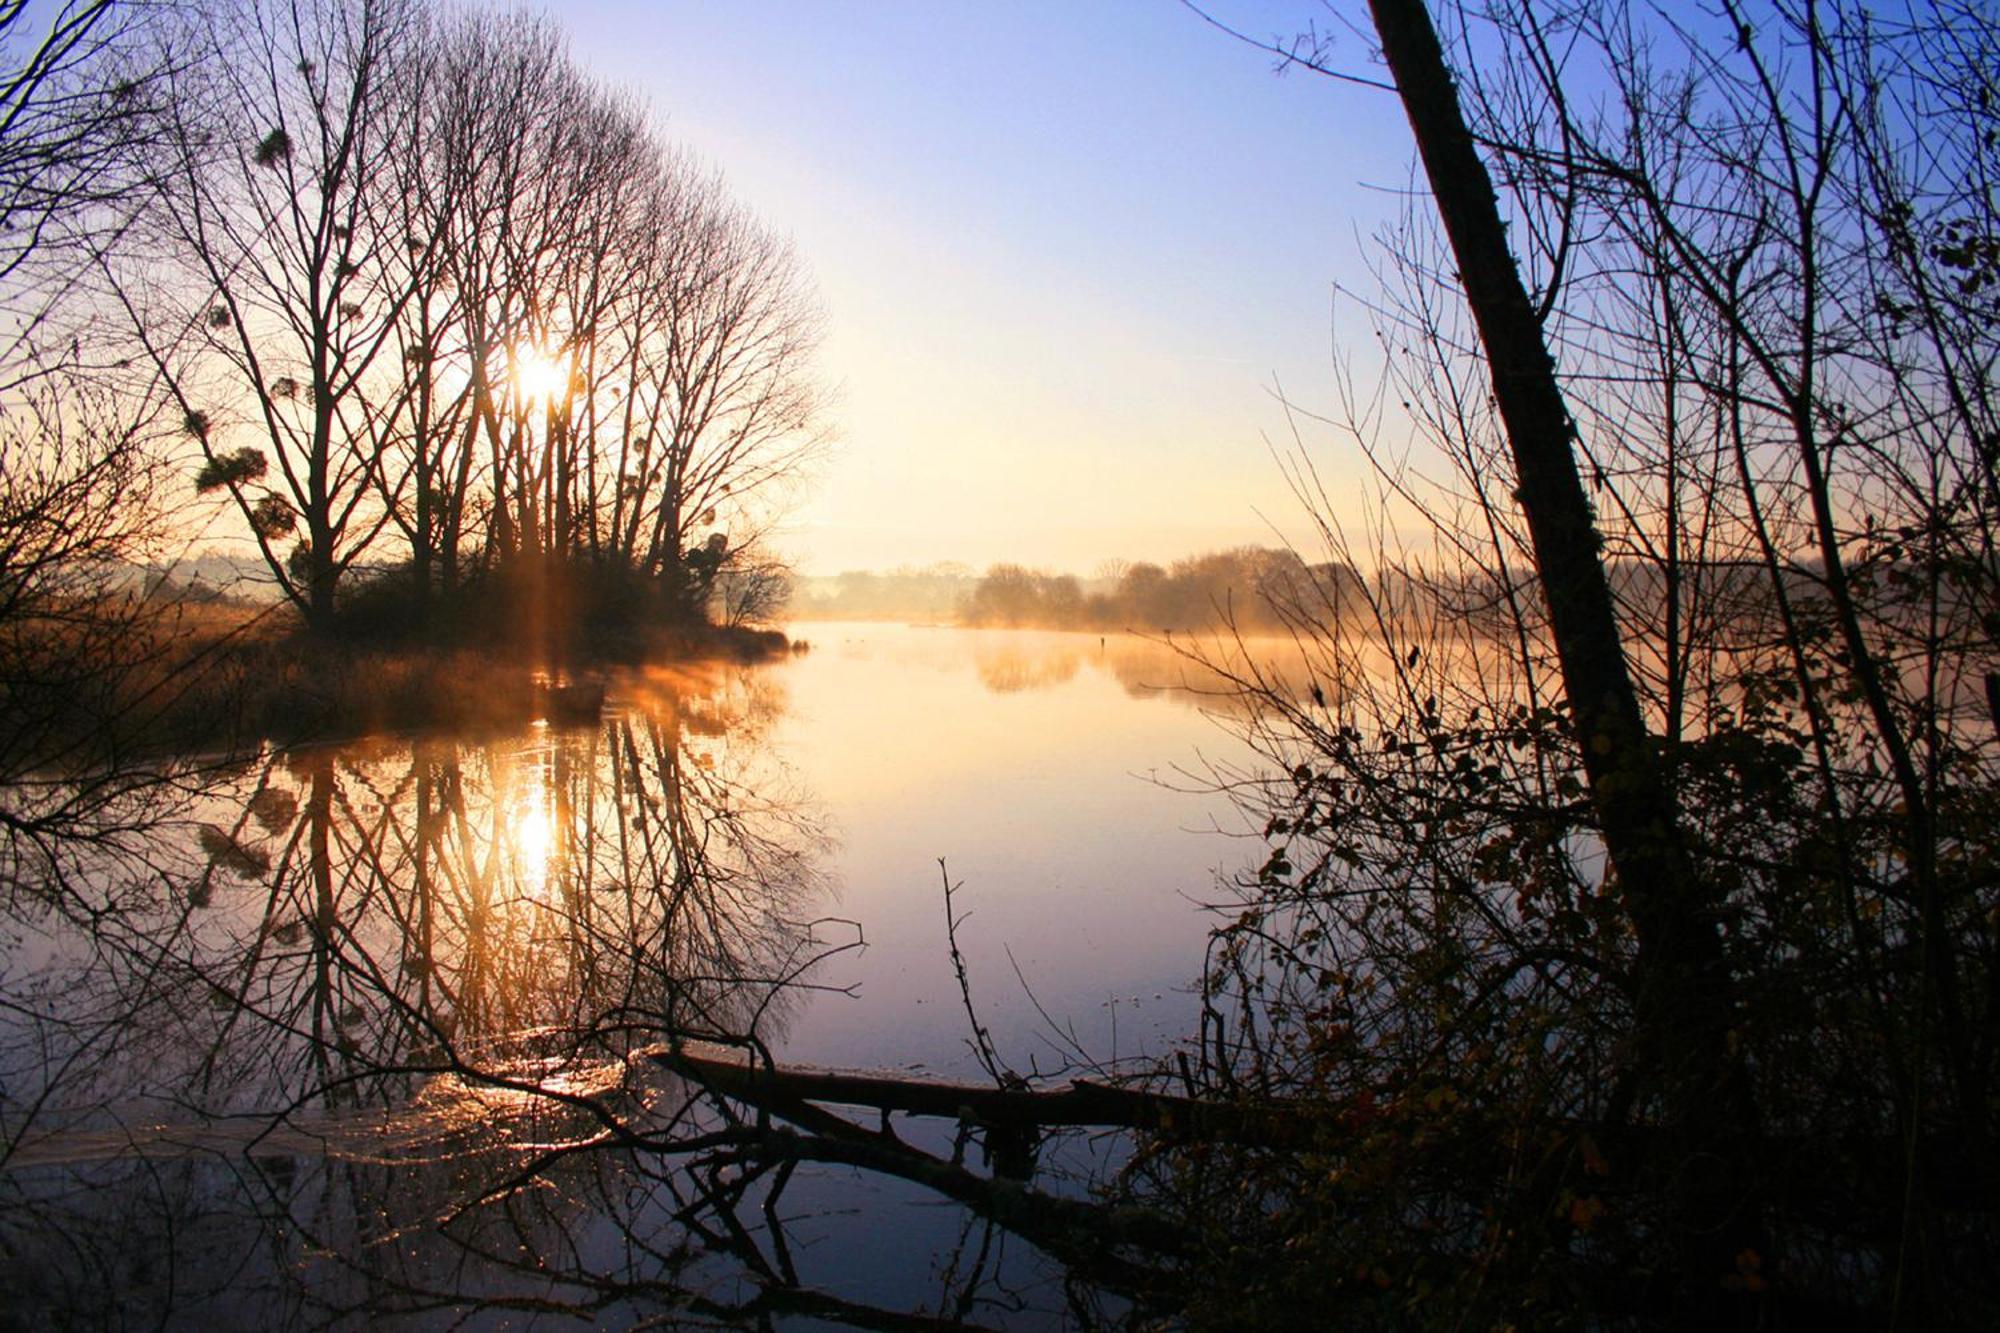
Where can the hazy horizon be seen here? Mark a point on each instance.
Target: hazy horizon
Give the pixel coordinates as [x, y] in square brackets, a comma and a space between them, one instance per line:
[1065, 253]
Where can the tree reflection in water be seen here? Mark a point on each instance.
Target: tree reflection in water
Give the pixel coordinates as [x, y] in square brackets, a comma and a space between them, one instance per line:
[372, 1034]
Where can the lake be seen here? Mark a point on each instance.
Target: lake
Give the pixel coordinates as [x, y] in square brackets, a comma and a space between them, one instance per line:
[362, 1033]
[1062, 794]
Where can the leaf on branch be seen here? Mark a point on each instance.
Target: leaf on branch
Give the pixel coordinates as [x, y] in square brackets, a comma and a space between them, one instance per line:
[196, 424]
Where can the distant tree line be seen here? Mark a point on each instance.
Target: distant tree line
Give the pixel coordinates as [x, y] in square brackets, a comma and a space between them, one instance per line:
[1257, 590]
[931, 594]
[1250, 588]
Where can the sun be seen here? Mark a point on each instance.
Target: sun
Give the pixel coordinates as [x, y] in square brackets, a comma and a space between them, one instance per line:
[539, 375]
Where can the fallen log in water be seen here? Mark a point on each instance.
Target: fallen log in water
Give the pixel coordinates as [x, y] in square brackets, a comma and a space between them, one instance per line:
[1120, 1245]
[1081, 1103]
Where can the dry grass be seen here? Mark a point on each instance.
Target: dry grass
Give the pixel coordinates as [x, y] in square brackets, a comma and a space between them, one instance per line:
[209, 677]
[291, 688]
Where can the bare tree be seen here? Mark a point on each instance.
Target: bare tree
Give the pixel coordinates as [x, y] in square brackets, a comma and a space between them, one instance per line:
[1684, 1006]
[1737, 267]
[631, 350]
[292, 276]
[80, 90]
[76, 104]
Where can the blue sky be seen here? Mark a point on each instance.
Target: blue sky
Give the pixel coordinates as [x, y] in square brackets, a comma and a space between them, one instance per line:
[1065, 250]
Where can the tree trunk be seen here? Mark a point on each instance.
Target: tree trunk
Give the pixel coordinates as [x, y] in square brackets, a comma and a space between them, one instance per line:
[1684, 1004]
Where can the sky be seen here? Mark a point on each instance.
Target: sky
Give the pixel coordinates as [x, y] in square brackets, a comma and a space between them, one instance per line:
[1066, 250]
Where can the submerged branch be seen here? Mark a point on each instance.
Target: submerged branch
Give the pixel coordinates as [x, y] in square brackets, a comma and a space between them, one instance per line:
[1082, 1103]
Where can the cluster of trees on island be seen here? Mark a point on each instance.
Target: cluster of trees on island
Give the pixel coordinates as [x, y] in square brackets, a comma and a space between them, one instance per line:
[403, 287]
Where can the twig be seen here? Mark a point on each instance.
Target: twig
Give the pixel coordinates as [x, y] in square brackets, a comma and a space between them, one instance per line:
[981, 1040]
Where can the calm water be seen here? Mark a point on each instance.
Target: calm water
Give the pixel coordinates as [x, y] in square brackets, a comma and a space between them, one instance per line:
[341, 1036]
[1058, 783]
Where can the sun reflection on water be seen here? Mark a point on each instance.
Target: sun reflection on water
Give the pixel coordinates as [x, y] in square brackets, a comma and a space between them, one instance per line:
[534, 838]
[531, 826]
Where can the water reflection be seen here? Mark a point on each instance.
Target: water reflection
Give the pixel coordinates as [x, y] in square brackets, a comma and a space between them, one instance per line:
[1010, 666]
[333, 926]
[1205, 671]
[373, 1033]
